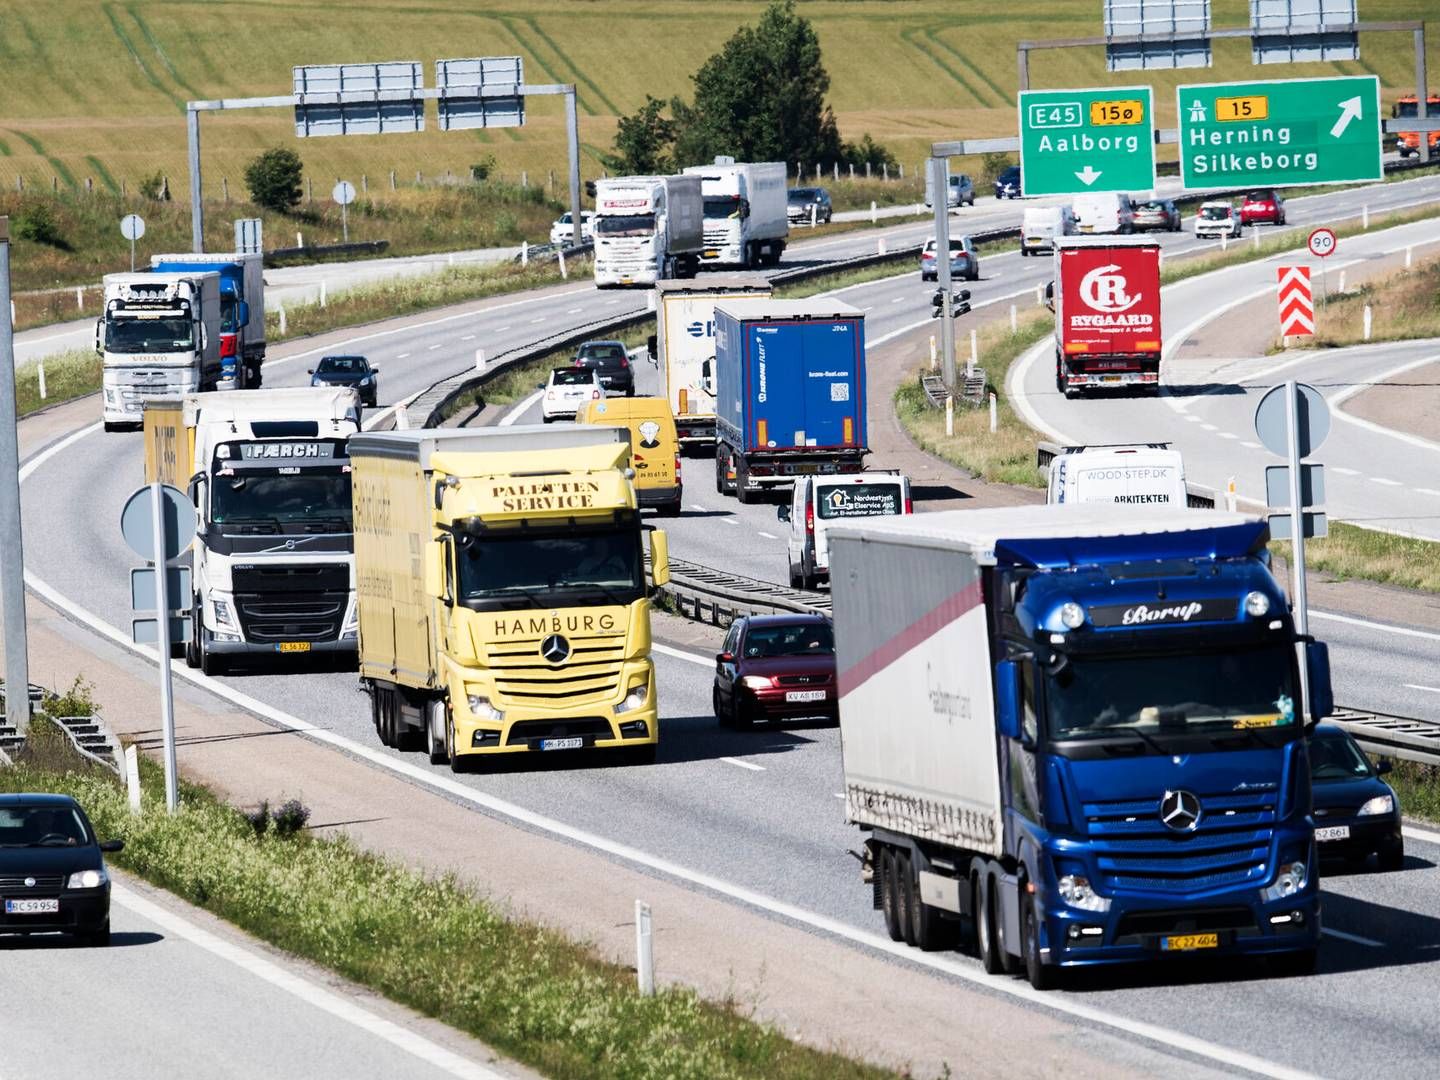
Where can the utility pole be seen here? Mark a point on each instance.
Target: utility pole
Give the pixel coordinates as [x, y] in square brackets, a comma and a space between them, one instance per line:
[12, 565]
[940, 197]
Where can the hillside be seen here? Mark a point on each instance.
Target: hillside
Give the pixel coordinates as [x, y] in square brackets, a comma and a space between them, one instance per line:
[96, 89]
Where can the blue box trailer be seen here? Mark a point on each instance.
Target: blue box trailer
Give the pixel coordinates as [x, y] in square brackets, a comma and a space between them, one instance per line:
[789, 393]
[242, 309]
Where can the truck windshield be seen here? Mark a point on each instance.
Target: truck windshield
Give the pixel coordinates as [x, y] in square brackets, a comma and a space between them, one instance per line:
[596, 566]
[625, 225]
[1194, 693]
[229, 314]
[272, 499]
[728, 206]
[133, 335]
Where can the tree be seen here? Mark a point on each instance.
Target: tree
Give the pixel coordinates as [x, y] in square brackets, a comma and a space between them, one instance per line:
[645, 142]
[273, 179]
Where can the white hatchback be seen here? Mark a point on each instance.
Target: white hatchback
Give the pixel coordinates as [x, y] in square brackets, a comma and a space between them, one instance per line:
[561, 232]
[567, 391]
[1217, 218]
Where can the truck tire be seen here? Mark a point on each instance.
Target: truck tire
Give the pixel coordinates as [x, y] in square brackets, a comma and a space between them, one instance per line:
[435, 747]
[192, 647]
[987, 941]
[932, 932]
[384, 724]
[742, 484]
[210, 664]
[901, 879]
[1042, 976]
[889, 894]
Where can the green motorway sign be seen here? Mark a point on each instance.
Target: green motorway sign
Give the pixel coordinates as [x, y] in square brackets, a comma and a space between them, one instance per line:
[1096, 139]
[1285, 131]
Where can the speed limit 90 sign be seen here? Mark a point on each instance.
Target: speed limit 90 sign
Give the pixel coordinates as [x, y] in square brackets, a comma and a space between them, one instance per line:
[1322, 243]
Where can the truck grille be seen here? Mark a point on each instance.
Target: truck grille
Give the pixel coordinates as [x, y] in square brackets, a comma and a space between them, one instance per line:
[1135, 850]
[591, 673]
[524, 732]
[291, 603]
[717, 237]
[47, 883]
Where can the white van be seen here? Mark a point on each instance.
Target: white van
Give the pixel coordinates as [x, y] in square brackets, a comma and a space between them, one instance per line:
[820, 501]
[1149, 474]
[1104, 212]
[1041, 225]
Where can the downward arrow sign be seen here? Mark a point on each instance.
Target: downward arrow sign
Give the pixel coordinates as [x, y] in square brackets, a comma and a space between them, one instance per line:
[1349, 110]
[1090, 175]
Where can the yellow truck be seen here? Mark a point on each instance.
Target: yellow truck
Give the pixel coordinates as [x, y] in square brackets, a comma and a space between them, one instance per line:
[654, 446]
[504, 606]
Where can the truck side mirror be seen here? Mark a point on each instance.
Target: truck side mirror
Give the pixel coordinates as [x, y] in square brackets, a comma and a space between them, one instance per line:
[1317, 668]
[707, 379]
[193, 489]
[435, 570]
[244, 313]
[1050, 296]
[783, 511]
[659, 558]
[100, 336]
[1007, 699]
[204, 337]
[652, 348]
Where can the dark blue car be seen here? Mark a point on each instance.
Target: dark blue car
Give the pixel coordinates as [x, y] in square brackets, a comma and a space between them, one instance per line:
[1356, 813]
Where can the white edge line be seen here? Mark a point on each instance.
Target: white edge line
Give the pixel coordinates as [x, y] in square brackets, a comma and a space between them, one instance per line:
[1355, 938]
[1403, 631]
[1424, 835]
[1417, 686]
[307, 991]
[743, 764]
[518, 410]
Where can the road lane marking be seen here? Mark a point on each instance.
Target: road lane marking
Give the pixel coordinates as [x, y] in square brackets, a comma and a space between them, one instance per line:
[1343, 471]
[1193, 419]
[1421, 834]
[743, 764]
[1251, 445]
[310, 993]
[574, 311]
[1356, 938]
[900, 299]
[1386, 481]
[539, 320]
[698, 506]
[769, 536]
[1426, 491]
[681, 654]
[510, 418]
[730, 521]
[839, 794]
[402, 356]
[1427, 689]
[432, 348]
[1403, 631]
[1227, 435]
[467, 337]
[501, 329]
[1208, 427]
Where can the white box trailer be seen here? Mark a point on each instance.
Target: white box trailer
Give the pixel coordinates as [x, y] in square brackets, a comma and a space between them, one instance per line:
[746, 211]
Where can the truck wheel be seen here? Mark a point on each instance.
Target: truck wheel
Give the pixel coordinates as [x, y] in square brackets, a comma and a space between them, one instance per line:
[901, 877]
[931, 932]
[742, 484]
[210, 664]
[889, 895]
[1042, 976]
[435, 747]
[989, 944]
[192, 646]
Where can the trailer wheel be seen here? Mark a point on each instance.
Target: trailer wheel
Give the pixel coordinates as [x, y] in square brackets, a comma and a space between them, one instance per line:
[932, 932]
[384, 722]
[742, 484]
[1042, 976]
[903, 890]
[989, 944]
[889, 894]
[439, 754]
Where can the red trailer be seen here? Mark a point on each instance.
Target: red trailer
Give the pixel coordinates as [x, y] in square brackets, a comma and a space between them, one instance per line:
[1107, 313]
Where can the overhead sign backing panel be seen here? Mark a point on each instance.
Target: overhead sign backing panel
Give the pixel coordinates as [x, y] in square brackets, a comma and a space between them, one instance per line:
[1178, 33]
[1093, 139]
[1280, 132]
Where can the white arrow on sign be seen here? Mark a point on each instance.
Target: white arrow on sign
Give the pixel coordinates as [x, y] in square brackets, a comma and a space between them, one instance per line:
[1349, 110]
[1091, 174]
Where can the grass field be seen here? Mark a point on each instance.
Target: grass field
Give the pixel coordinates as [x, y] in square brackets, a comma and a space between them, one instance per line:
[96, 88]
[1404, 306]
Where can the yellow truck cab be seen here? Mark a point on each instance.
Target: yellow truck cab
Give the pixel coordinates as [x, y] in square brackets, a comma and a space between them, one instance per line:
[503, 599]
[654, 446]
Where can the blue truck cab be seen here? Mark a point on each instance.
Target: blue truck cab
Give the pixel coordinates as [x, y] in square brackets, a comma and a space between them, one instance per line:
[1147, 720]
[790, 393]
[242, 311]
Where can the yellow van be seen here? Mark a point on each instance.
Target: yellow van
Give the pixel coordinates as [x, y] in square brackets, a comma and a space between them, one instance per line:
[654, 446]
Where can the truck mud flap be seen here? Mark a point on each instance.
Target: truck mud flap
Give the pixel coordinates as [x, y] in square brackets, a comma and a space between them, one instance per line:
[1008, 897]
[941, 892]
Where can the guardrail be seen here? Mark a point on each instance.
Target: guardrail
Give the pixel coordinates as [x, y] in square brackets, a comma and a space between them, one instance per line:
[275, 256]
[716, 597]
[1392, 736]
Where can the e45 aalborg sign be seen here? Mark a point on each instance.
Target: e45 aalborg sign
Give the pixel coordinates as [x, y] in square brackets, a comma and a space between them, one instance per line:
[1097, 139]
[1285, 131]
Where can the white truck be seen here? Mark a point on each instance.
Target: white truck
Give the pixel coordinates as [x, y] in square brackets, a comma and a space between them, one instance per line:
[242, 305]
[1139, 474]
[746, 223]
[647, 228]
[159, 337]
[269, 473]
[684, 347]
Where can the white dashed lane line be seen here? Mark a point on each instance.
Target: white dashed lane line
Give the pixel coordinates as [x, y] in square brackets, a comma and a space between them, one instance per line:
[769, 536]
[1251, 445]
[467, 337]
[1427, 689]
[743, 764]
[1344, 471]
[1427, 491]
[432, 348]
[1227, 435]
[1209, 427]
[730, 521]
[1192, 419]
[1386, 481]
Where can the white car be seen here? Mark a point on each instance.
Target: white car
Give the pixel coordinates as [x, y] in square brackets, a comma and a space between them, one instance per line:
[1217, 218]
[560, 232]
[566, 392]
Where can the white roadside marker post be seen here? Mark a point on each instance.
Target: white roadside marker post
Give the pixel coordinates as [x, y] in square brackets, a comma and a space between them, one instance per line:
[644, 950]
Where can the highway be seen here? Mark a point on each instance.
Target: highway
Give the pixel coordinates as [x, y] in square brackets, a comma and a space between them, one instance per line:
[758, 811]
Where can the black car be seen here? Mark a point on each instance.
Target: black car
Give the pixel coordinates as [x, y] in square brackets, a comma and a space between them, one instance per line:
[348, 371]
[52, 872]
[1356, 813]
[611, 362]
[802, 202]
[1007, 184]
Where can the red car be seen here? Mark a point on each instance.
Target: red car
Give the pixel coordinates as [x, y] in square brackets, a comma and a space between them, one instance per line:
[776, 667]
[1264, 207]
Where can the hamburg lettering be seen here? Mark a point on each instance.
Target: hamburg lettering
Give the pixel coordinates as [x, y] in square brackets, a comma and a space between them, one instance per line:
[539, 625]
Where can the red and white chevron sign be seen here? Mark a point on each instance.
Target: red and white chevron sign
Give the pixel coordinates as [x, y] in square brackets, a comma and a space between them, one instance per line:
[1297, 306]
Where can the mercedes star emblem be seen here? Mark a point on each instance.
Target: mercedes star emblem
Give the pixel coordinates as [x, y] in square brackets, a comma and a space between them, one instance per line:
[555, 649]
[1180, 810]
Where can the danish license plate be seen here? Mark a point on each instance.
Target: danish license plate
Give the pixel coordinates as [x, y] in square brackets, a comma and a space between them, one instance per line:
[1333, 832]
[1189, 942]
[32, 907]
[711, 253]
[805, 695]
[293, 646]
[562, 744]
[1111, 379]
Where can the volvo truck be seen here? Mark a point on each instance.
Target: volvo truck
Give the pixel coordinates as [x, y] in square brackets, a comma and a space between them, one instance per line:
[158, 338]
[504, 606]
[242, 310]
[273, 576]
[746, 220]
[1107, 314]
[684, 347]
[647, 228]
[1078, 738]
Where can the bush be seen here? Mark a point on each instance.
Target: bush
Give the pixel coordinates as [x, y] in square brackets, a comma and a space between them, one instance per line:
[273, 179]
[481, 170]
[259, 818]
[37, 223]
[155, 187]
[290, 818]
[78, 700]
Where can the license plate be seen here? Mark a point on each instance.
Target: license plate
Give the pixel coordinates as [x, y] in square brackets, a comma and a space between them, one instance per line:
[562, 744]
[1111, 378]
[1087, 228]
[805, 695]
[293, 646]
[1188, 942]
[31, 907]
[1333, 832]
[711, 253]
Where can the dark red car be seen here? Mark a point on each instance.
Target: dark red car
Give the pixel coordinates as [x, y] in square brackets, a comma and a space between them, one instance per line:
[1263, 207]
[776, 667]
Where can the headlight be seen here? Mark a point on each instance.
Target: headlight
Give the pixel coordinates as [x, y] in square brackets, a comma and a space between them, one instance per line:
[480, 707]
[1289, 881]
[87, 879]
[1380, 804]
[1072, 616]
[1257, 604]
[757, 682]
[636, 698]
[352, 619]
[1077, 893]
[223, 615]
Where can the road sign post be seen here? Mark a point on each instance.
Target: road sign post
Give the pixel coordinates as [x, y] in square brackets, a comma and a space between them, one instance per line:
[12, 565]
[1280, 132]
[158, 522]
[940, 185]
[132, 227]
[1322, 244]
[344, 194]
[1093, 139]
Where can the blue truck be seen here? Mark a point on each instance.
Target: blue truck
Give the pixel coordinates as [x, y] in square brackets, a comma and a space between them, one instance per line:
[789, 394]
[1076, 737]
[242, 310]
